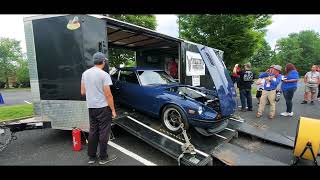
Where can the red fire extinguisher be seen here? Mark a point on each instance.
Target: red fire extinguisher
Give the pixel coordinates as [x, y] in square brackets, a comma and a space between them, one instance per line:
[76, 136]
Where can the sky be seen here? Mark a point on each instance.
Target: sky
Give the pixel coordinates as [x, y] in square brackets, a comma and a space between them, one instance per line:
[12, 26]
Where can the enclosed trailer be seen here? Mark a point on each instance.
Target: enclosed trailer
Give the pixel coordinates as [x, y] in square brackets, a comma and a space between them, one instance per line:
[60, 49]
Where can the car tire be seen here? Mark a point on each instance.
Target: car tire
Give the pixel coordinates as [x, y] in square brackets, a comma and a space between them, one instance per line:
[172, 116]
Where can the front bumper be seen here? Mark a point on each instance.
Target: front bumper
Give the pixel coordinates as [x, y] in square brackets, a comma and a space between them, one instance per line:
[213, 126]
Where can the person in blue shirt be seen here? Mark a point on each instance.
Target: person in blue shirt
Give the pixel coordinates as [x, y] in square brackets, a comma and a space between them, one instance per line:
[289, 86]
[271, 80]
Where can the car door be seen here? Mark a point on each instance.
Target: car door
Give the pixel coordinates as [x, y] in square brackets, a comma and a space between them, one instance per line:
[129, 89]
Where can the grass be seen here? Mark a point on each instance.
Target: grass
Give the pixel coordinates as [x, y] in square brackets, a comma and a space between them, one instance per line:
[15, 89]
[16, 112]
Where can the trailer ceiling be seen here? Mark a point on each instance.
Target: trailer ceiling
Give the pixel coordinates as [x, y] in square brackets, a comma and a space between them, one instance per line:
[136, 38]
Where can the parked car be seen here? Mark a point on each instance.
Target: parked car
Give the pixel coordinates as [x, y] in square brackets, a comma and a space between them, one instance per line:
[157, 94]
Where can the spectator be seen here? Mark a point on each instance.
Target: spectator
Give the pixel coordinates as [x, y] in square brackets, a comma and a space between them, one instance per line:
[318, 85]
[311, 80]
[235, 72]
[260, 83]
[271, 80]
[173, 68]
[246, 77]
[289, 86]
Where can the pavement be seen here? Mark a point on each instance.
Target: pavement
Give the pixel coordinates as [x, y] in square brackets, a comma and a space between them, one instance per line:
[54, 147]
[14, 97]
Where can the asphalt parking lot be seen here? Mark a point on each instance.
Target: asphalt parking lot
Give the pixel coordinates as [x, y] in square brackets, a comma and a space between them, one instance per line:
[54, 147]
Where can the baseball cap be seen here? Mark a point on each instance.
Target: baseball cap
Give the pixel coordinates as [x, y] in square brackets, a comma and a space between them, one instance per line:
[98, 58]
[277, 67]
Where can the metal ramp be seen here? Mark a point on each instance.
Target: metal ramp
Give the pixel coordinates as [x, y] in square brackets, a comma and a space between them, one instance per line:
[262, 133]
[234, 155]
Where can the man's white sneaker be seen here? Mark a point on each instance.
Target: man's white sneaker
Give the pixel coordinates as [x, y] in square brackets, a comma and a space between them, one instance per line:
[290, 114]
[284, 114]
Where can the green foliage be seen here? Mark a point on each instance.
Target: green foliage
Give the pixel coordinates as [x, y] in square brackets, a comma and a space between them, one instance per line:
[239, 36]
[120, 56]
[22, 73]
[263, 58]
[147, 21]
[301, 49]
[10, 52]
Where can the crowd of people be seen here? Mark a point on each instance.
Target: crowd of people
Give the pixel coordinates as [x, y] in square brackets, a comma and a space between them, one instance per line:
[267, 84]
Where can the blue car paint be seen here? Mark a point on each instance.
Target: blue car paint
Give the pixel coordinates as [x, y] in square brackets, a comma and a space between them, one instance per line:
[222, 80]
[151, 99]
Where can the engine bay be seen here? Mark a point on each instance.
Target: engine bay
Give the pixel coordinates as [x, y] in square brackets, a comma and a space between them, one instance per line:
[205, 96]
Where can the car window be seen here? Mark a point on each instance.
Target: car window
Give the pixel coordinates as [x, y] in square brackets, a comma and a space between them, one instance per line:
[115, 74]
[155, 78]
[128, 76]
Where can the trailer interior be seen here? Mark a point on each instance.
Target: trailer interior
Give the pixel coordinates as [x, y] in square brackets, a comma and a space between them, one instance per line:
[151, 50]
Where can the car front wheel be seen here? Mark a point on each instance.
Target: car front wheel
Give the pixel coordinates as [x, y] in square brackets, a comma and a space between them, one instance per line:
[172, 117]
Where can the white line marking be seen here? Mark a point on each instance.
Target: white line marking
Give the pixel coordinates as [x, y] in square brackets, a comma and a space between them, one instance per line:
[230, 129]
[174, 140]
[131, 154]
[220, 136]
[236, 120]
[27, 102]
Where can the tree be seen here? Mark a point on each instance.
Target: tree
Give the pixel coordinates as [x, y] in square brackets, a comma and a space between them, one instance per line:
[23, 72]
[263, 58]
[301, 49]
[10, 52]
[120, 56]
[239, 36]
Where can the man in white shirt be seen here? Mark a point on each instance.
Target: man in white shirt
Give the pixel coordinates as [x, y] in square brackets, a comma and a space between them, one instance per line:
[95, 86]
[312, 81]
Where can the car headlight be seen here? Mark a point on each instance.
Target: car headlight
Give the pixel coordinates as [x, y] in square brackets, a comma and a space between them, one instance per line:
[200, 110]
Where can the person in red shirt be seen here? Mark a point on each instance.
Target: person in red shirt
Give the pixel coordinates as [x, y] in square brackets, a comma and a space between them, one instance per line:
[235, 72]
[173, 68]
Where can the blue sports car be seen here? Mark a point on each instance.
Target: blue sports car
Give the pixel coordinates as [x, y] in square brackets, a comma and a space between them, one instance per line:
[157, 94]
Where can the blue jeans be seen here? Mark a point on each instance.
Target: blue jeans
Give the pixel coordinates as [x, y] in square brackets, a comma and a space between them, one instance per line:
[246, 98]
[288, 95]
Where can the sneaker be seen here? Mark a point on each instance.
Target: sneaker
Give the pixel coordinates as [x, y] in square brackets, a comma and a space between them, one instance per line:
[249, 109]
[312, 103]
[290, 114]
[271, 116]
[318, 99]
[108, 159]
[284, 114]
[92, 160]
[304, 102]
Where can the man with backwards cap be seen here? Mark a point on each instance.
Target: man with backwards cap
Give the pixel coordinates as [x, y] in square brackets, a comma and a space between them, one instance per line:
[271, 80]
[95, 85]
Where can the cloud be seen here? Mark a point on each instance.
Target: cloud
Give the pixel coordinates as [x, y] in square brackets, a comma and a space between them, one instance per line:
[167, 24]
[12, 27]
[283, 25]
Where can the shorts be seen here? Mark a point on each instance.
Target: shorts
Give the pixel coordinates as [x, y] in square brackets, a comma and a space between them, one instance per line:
[311, 89]
[259, 94]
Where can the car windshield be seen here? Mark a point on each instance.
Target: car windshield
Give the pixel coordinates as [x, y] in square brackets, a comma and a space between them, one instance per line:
[155, 78]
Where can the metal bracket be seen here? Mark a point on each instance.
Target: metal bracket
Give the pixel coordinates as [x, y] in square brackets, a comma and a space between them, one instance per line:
[187, 147]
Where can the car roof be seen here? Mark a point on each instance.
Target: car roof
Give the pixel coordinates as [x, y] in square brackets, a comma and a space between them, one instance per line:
[139, 69]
